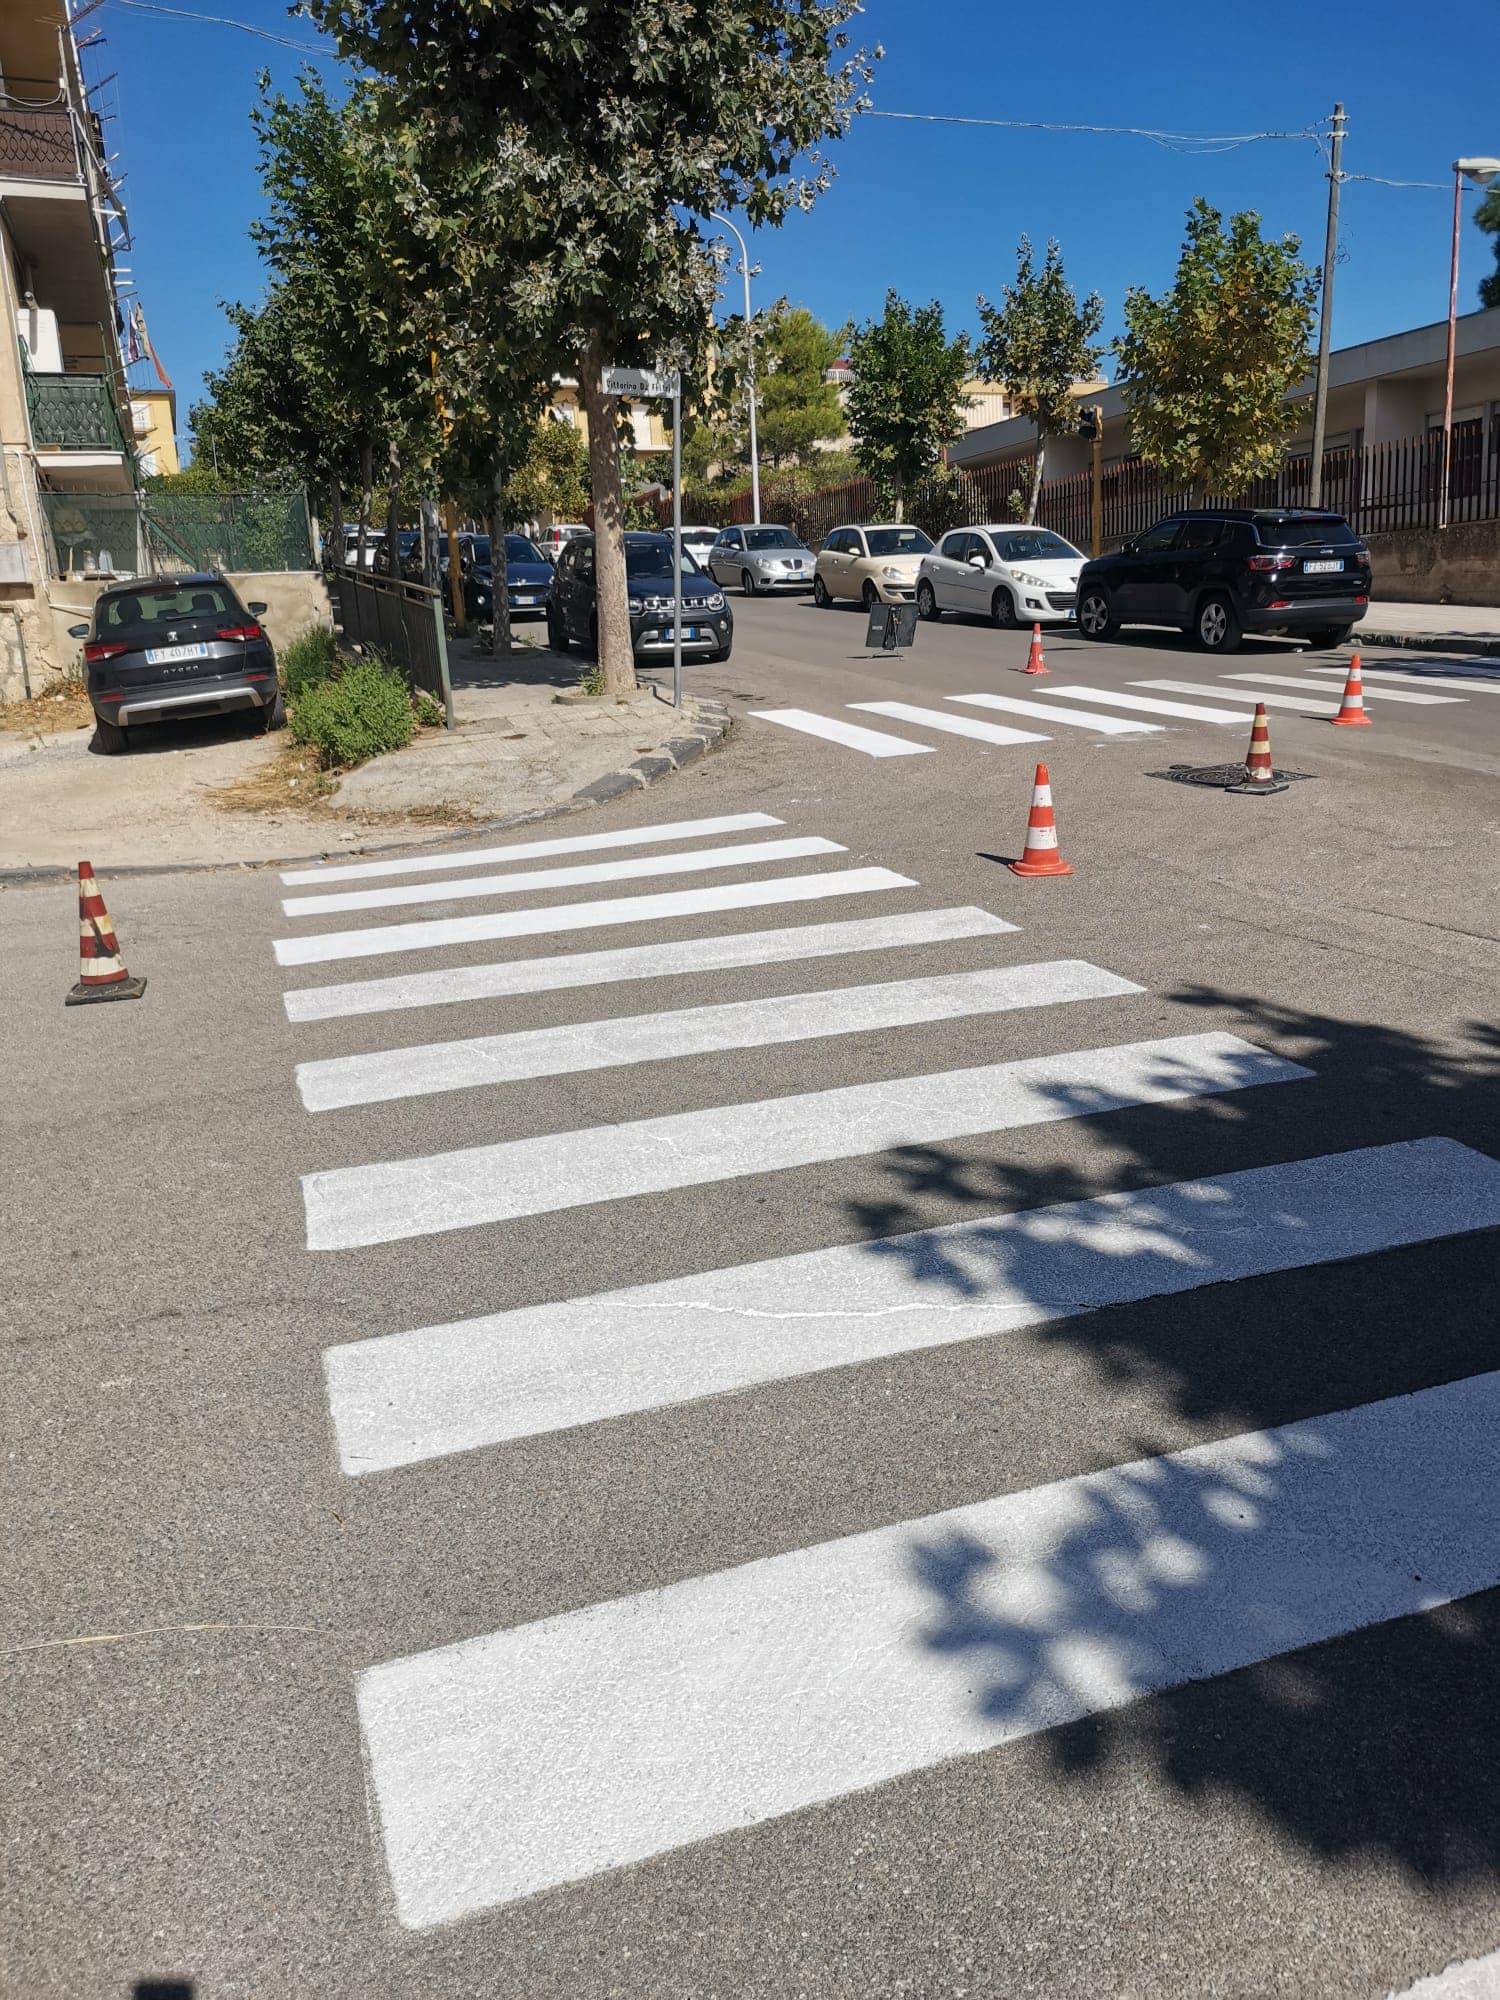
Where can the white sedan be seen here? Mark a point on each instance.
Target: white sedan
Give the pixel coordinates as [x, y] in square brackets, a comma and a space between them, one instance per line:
[1012, 575]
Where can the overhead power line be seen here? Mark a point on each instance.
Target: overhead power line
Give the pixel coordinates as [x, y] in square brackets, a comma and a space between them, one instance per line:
[222, 21]
[1177, 142]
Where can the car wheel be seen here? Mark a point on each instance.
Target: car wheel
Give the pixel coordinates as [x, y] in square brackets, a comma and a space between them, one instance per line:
[557, 637]
[927, 604]
[1328, 636]
[1096, 619]
[1003, 610]
[748, 583]
[108, 739]
[1217, 625]
[820, 594]
[870, 595]
[274, 716]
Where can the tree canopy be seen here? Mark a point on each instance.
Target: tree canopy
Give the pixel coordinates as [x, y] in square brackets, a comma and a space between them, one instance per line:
[1487, 215]
[1039, 341]
[906, 401]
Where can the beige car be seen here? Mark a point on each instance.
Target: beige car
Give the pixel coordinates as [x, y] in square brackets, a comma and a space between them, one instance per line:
[877, 565]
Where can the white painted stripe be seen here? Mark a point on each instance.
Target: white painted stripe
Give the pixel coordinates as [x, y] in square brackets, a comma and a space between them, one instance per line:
[1242, 695]
[1185, 710]
[614, 1043]
[318, 950]
[393, 1199]
[873, 742]
[1467, 1979]
[955, 725]
[641, 867]
[647, 961]
[1464, 686]
[1106, 725]
[1385, 694]
[533, 850]
[521, 1759]
[406, 1397]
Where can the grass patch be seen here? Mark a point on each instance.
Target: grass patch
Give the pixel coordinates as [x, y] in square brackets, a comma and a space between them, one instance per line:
[62, 706]
[310, 659]
[291, 781]
[364, 713]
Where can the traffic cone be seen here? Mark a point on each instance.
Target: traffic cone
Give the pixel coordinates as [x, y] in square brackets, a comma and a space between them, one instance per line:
[1040, 856]
[102, 974]
[1259, 776]
[1035, 664]
[1351, 713]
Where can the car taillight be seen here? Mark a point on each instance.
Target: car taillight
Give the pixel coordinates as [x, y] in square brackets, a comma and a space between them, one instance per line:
[1265, 562]
[96, 652]
[238, 632]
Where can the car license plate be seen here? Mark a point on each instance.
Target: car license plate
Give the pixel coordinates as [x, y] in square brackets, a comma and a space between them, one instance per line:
[160, 656]
[526, 600]
[688, 632]
[1320, 568]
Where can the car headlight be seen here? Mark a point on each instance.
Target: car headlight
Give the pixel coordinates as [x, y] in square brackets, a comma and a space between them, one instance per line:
[1031, 582]
[893, 574]
[636, 607]
[716, 602]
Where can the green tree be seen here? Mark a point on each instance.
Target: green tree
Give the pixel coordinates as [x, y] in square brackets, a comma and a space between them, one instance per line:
[1487, 215]
[1038, 342]
[582, 141]
[552, 482]
[1208, 366]
[797, 409]
[906, 401]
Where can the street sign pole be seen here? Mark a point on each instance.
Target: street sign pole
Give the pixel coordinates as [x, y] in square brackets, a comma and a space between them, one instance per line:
[677, 545]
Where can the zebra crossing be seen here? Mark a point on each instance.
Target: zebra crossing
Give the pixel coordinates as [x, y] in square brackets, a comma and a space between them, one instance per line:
[518, 1759]
[1147, 704]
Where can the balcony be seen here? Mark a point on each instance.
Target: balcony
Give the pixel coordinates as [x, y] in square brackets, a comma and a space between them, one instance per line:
[37, 142]
[73, 413]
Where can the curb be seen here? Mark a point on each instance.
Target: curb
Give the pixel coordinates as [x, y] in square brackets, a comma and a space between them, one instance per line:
[1430, 642]
[710, 724]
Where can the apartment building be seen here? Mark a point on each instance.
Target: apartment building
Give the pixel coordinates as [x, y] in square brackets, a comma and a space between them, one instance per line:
[66, 434]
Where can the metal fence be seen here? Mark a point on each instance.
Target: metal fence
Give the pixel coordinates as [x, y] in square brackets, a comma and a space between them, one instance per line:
[403, 622]
[126, 534]
[74, 412]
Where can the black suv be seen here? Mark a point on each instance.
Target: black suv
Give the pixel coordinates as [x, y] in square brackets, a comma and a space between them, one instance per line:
[707, 621]
[1219, 572]
[167, 647]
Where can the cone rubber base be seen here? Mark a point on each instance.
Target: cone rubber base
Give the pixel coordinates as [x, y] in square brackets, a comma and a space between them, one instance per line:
[1258, 789]
[1360, 721]
[1040, 867]
[119, 989]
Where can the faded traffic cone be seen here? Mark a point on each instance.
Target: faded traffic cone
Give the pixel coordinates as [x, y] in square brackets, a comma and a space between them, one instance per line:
[1351, 713]
[1259, 776]
[1040, 856]
[102, 974]
[1035, 664]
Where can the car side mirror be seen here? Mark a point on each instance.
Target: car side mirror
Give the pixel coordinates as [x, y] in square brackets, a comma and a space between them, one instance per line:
[257, 608]
[1129, 548]
[78, 631]
[978, 562]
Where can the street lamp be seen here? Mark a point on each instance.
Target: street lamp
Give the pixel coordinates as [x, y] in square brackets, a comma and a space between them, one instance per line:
[750, 359]
[1481, 173]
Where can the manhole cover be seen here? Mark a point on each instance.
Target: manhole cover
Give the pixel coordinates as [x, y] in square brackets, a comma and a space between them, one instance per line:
[1222, 776]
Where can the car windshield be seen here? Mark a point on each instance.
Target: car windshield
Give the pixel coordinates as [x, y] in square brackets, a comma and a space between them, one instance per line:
[164, 607]
[771, 538]
[475, 549]
[1276, 534]
[1036, 545]
[654, 559]
[519, 549]
[897, 542]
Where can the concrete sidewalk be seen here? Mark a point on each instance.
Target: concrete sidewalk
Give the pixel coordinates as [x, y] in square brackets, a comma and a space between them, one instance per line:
[1448, 628]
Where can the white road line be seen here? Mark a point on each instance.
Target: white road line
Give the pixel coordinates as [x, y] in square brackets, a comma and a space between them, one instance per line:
[389, 1200]
[517, 1760]
[1242, 695]
[646, 961]
[873, 742]
[1466, 1979]
[404, 1397]
[1490, 686]
[1106, 725]
[533, 850]
[1185, 710]
[385, 938]
[515, 1057]
[1379, 694]
[405, 895]
[955, 725]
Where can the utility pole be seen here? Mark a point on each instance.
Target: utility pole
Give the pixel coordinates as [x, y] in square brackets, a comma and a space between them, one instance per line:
[1096, 521]
[749, 363]
[1325, 321]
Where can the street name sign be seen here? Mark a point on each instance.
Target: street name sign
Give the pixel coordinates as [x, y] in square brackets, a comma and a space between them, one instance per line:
[642, 382]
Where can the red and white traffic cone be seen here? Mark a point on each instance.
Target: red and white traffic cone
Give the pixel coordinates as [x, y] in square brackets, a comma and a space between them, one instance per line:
[1351, 713]
[1259, 776]
[102, 974]
[1035, 664]
[1040, 856]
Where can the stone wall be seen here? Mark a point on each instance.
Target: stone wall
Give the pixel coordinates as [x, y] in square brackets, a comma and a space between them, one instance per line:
[1459, 565]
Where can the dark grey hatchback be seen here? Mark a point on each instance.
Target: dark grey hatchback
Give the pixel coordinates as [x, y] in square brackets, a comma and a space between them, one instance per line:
[164, 648]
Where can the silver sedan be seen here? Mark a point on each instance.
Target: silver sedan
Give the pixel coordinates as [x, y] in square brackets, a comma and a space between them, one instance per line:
[761, 559]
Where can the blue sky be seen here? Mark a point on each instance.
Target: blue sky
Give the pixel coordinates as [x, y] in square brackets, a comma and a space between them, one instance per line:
[935, 210]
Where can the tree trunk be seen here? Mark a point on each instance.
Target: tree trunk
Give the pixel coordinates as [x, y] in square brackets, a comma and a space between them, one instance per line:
[500, 634]
[611, 593]
[366, 489]
[336, 510]
[1036, 476]
[899, 508]
[393, 515]
[432, 562]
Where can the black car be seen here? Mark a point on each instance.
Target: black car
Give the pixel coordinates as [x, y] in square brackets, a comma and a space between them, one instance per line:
[707, 621]
[1219, 572]
[167, 647]
[528, 576]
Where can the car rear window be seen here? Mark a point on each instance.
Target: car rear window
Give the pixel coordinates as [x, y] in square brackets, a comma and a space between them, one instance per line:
[1280, 534]
[163, 607]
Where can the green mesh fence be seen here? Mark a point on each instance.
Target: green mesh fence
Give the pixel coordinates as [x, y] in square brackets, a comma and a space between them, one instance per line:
[188, 531]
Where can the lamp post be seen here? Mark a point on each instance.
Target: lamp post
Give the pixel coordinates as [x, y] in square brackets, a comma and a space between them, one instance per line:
[1481, 173]
[749, 362]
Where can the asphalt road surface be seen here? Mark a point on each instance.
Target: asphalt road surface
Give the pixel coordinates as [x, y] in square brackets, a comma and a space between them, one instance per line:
[724, 1398]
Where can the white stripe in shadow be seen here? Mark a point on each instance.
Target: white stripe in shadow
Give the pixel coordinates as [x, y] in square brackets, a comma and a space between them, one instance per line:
[531, 850]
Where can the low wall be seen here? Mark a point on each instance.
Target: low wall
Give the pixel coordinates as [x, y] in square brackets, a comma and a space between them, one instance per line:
[294, 599]
[1455, 565]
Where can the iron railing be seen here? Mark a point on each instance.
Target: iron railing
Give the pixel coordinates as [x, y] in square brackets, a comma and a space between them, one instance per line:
[73, 412]
[401, 621]
[38, 142]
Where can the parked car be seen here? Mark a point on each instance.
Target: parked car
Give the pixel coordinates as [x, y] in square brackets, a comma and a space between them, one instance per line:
[168, 647]
[761, 558]
[875, 564]
[698, 542]
[528, 576]
[1219, 572]
[707, 623]
[551, 540]
[1012, 574]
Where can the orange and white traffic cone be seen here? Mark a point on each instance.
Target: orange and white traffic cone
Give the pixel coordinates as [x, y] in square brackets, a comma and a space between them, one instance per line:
[102, 974]
[1259, 776]
[1035, 664]
[1040, 856]
[1351, 713]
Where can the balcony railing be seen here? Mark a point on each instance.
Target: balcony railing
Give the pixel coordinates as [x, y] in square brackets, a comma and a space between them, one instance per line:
[37, 142]
[73, 413]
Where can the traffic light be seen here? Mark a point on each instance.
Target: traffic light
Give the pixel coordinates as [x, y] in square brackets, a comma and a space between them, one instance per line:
[1091, 424]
